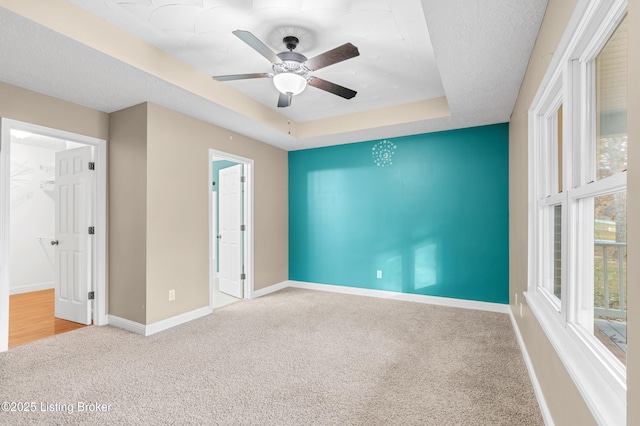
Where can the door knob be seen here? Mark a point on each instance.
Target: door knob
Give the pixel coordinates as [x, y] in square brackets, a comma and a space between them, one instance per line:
[54, 242]
[219, 237]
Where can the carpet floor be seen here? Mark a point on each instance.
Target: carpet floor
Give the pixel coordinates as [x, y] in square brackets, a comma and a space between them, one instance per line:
[294, 357]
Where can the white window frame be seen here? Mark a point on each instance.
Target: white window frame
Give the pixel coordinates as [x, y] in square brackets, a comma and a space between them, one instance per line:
[547, 196]
[570, 81]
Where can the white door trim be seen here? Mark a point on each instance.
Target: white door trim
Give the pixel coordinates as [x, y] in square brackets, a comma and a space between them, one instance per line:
[248, 220]
[99, 243]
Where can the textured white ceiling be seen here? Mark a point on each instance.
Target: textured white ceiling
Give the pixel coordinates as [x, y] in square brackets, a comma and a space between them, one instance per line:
[396, 63]
[482, 49]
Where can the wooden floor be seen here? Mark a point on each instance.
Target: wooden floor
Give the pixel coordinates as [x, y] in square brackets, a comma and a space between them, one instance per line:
[31, 317]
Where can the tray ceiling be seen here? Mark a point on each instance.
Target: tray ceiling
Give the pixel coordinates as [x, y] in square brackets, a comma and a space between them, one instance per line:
[424, 65]
[396, 63]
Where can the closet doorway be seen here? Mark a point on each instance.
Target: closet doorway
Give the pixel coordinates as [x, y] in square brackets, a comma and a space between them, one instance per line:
[52, 221]
[230, 228]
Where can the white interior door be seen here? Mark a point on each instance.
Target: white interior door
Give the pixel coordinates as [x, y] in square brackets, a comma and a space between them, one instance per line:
[73, 195]
[214, 230]
[230, 235]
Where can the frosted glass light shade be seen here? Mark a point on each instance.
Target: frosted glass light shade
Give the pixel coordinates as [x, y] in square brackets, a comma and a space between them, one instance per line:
[287, 82]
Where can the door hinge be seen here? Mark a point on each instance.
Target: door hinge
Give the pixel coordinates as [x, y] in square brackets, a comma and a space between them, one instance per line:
[243, 276]
[242, 179]
[91, 295]
[243, 227]
[92, 230]
[92, 165]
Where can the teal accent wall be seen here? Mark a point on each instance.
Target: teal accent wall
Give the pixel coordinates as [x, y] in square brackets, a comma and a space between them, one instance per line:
[430, 211]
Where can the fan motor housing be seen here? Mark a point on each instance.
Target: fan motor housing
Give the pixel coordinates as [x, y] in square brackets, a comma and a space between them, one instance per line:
[292, 62]
[292, 56]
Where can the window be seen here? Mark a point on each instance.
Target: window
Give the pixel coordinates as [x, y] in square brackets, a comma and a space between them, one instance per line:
[557, 251]
[611, 104]
[577, 216]
[610, 210]
[610, 273]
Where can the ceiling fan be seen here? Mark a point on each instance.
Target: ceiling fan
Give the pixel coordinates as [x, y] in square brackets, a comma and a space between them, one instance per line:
[291, 69]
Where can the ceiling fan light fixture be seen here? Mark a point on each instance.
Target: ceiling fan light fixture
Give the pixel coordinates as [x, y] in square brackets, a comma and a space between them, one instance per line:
[291, 69]
[289, 83]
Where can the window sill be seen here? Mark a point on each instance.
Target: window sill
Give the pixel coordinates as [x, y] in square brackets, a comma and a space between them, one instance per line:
[603, 392]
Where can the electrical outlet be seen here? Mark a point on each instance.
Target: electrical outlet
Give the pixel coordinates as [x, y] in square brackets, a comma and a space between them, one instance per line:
[379, 273]
[516, 299]
[521, 310]
[172, 295]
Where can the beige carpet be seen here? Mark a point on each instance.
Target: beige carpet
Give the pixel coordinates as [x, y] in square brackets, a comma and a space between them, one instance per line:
[295, 357]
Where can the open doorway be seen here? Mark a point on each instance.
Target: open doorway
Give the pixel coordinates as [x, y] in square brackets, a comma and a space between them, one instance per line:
[52, 222]
[230, 228]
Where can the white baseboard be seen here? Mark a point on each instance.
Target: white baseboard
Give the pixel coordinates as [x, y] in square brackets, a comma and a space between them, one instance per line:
[156, 327]
[407, 297]
[27, 288]
[537, 389]
[270, 289]
[125, 324]
[177, 320]
[147, 330]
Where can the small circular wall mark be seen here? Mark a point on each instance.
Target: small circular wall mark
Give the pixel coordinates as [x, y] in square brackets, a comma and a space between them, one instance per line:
[382, 153]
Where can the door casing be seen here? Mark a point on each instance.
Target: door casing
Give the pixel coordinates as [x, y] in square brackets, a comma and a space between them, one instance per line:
[99, 252]
[247, 220]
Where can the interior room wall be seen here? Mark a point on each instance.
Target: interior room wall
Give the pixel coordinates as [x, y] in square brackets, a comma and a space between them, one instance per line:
[177, 210]
[127, 151]
[564, 400]
[24, 105]
[31, 255]
[430, 211]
